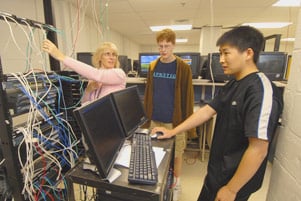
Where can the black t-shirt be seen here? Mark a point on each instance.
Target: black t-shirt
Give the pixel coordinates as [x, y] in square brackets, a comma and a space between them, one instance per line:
[246, 108]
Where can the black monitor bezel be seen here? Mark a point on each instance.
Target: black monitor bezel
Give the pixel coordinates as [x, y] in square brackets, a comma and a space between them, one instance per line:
[195, 70]
[82, 57]
[217, 70]
[221, 77]
[124, 63]
[270, 75]
[122, 113]
[89, 137]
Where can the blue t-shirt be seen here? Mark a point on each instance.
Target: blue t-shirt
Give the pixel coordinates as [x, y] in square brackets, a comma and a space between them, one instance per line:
[164, 91]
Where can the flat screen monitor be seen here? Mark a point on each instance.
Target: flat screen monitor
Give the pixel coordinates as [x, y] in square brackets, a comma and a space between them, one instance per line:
[129, 65]
[130, 109]
[103, 133]
[193, 60]
[273, 65]
[85, 57]
[136, 65]
[214, 70]
[123, 60]
[203, 66]
[145, 59]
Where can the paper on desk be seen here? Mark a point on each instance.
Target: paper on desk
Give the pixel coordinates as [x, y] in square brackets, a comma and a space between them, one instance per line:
[113, 175]
[159, 154]
[124, 155]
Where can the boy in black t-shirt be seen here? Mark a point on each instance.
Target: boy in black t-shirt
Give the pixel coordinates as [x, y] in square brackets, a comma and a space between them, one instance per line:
[247, 108]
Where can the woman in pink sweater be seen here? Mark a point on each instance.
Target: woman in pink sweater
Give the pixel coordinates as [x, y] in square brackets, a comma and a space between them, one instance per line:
[105, 78]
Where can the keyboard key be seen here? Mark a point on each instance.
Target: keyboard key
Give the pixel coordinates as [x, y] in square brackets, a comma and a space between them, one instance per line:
[143, 169]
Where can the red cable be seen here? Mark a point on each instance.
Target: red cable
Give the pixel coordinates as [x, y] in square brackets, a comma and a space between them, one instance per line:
[44, 171]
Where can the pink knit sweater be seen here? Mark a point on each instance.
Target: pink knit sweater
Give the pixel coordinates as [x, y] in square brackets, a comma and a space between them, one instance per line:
[109, 80]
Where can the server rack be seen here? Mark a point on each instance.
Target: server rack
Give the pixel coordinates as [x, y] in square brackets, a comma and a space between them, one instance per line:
[14, 152]
[11, 176]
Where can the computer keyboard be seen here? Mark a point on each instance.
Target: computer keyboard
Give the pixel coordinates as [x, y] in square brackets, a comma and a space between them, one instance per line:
[143, 169]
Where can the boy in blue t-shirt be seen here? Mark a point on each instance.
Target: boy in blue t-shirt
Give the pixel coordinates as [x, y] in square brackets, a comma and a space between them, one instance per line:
[169, 96]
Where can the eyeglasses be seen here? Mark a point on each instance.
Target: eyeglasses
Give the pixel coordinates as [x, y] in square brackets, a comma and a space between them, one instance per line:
[109, 54]
[164, 47]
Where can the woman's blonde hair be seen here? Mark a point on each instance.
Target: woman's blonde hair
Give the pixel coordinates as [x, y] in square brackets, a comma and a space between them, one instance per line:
[96, 58]
[96, 62]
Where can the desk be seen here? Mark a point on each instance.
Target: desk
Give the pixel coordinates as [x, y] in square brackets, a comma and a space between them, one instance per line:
[120, 189]
[200, 86]
[202, 82]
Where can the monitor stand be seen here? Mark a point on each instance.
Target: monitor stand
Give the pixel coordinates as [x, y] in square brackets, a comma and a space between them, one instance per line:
[132, 72]
[112, 176]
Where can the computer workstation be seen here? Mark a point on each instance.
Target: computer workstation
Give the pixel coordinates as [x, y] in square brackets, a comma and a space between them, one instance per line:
[106, 124]
[208, 75]
[272, 64]
[191, 58]
[207, 67]
[102, 133]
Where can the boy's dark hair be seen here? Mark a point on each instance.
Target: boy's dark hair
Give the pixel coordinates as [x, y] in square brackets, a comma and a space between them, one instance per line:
[242, 38]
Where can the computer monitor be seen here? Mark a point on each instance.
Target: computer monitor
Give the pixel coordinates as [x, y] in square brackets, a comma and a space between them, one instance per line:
[288, 67]
[193, 60]
[273, 65]
[145, 59]
[123, 60]
[129, 65]
[103, 133]
[136, 65]
[85, 57]
[203, 66]
[214, 70]
[130, 109]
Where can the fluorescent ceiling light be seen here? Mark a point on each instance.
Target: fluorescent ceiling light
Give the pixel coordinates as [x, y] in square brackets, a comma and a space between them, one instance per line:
[173, 27]
[268, 25]
[181, 40]
[287, 3]
[288, 39]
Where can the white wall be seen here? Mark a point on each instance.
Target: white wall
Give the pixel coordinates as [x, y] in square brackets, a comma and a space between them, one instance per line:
[178, 48]
[90, 34]
[14, 45]
[284, 47]
[285, 182]
[17, 56]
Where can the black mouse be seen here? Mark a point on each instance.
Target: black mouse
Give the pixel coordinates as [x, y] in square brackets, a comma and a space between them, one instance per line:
[156, 134]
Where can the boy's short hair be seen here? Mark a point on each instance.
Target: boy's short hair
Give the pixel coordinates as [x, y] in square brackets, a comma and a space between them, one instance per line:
[242, 38]
[166, 34]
